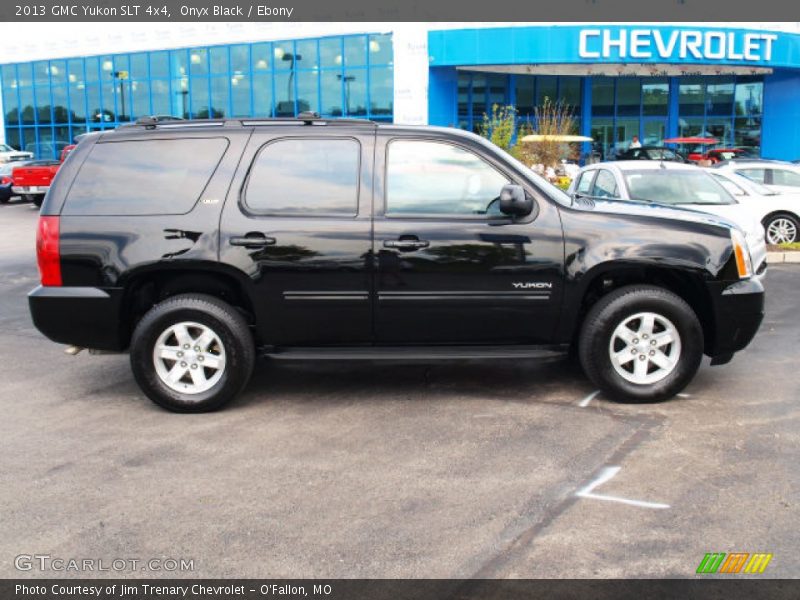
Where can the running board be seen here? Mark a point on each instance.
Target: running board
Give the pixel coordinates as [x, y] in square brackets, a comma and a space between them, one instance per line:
[417, 352]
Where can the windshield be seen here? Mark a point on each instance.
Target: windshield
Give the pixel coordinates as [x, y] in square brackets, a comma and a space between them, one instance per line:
[6, 148]
[671, 186]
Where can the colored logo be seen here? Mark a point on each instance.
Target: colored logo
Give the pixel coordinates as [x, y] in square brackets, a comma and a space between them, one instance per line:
[735, 562]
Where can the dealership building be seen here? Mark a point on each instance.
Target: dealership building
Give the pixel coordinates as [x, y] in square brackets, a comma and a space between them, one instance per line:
[739, 84]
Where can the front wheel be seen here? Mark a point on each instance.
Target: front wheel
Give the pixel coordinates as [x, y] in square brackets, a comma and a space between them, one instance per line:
[192, 353]
[781, 229]
[641, 344]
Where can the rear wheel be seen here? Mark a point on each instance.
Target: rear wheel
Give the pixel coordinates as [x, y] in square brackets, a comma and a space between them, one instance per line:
[781, 229]
[37, 200]
[641, 344]
[192, 353]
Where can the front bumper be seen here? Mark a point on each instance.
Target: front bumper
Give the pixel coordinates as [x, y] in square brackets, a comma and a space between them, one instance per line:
[738, 309]
[81, 316]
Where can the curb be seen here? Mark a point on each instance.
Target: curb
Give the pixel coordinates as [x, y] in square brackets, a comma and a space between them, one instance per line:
[783, 257]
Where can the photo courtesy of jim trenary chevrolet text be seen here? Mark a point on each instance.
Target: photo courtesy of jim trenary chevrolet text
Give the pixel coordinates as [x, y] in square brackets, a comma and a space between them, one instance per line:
[423, 301]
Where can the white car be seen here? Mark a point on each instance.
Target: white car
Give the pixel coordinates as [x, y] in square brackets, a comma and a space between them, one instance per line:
[779, 212]
[675, 184]
[777, 175]
[8, 154]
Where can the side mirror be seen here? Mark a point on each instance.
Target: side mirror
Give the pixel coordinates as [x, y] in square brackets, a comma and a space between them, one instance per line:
[514, 202]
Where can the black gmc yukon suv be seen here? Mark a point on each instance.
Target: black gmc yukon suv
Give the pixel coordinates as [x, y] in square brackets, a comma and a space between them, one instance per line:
[198, 245]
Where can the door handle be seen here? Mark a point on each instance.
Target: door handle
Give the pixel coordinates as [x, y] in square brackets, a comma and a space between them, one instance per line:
[406, 244]
[252, 240]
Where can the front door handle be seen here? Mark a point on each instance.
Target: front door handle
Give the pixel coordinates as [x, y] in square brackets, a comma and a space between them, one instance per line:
[252, 240]
[407, 245]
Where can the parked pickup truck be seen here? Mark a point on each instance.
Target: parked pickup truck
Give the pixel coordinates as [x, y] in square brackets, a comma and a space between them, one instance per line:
[32, 181]
[196, 247]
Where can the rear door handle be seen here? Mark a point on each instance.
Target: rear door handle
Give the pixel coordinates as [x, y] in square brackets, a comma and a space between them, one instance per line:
[406, 244]
[252, 240]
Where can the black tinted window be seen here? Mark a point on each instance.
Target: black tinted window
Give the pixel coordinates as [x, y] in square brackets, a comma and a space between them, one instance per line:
[305, 177]
[144, 177]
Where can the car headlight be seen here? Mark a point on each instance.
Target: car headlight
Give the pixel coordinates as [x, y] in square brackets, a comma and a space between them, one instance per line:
[744, 264]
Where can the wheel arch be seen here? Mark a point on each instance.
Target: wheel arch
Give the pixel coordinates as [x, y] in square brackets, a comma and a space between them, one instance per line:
[688, 284]
[148, 286]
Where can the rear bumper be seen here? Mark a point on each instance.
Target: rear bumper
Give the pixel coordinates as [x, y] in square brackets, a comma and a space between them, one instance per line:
[739, 310]
[81, 316]
[30, 189]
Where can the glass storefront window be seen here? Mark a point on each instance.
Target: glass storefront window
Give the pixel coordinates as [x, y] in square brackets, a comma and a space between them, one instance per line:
[220, 96]
[524, 92]
[198, 62]
[747, 132]
[355, 50]
[262, 95]
[719, 98]
[655, 97]
[380, 49]
[337, 75]
[629, 93]
[159, 65]
[570, 92]
[749, 95]
[139, 68]
[307, 91]
[478, 96]
[198, 94]
[140, 99]
[331, 92]
[381, 86]
[261, 57]
[218, 57]
[355, 92]
[330, 52]
[602, 96]
[307, 54]
[240, 59]
[240, 96]
[546, 87]
[692, 96]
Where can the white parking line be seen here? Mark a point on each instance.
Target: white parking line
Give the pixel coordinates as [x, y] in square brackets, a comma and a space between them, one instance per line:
[585, 402]
[605, 475]
[684, 395]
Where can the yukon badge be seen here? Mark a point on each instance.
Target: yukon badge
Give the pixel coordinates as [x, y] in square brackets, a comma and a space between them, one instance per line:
[533, 285]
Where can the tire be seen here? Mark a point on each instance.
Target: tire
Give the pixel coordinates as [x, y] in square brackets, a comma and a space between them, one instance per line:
[625, 314]
[37, 201]
[224, 363]
[781, 228]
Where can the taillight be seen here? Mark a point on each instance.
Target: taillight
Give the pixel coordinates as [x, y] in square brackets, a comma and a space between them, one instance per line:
[5, 180]
[48, 254]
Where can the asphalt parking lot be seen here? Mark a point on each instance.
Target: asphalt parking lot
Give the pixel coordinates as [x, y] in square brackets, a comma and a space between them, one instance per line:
[459, 469]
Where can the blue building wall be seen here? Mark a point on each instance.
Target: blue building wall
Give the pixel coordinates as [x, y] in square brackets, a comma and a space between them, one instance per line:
[780, 127]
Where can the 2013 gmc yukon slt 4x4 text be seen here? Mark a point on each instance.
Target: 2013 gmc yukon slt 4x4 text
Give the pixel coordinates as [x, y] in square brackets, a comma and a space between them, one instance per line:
[199, 245]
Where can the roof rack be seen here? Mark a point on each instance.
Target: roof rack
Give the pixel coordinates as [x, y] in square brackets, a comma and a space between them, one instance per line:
[305, 118]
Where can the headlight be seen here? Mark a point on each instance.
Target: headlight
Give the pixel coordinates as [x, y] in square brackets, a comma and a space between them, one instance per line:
[744, 265]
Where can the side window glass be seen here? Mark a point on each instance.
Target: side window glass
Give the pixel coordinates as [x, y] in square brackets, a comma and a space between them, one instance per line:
[585, 182]
[305, 177]
[784, 177]
[434, 178]
[605, 186]
[144, 177]
[754, 174]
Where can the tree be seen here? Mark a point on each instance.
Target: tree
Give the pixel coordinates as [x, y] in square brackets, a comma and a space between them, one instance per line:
[551, 118]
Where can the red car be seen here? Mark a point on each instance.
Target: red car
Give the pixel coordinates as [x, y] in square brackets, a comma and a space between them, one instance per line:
[718, 155]
[33, 180]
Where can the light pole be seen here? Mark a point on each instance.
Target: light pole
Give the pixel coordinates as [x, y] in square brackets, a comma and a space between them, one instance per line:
[347, 80]
[291, 58]
[121, 76]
